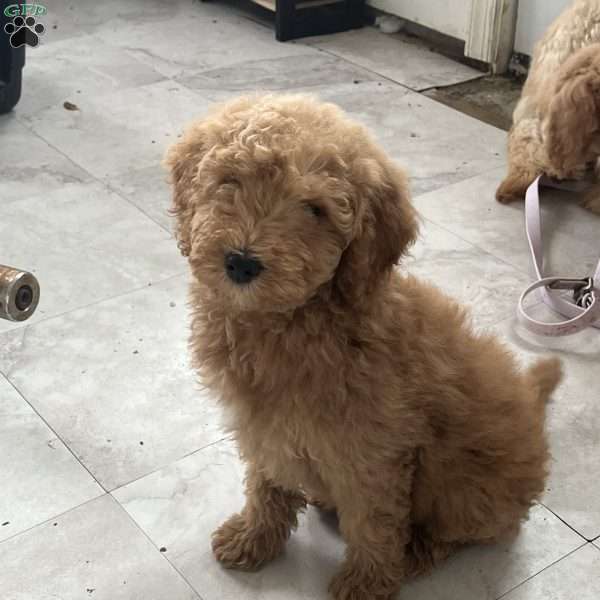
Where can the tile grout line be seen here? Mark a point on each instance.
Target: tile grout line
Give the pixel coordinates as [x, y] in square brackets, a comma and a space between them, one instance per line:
[53, 518]
[542, 570]
[466, 179]
[354, 64]
[293, 90]
[104, 492]
[104, 495]
[166, 465]
[482, 250]
[94, 303]
[91, 175]
[55, 433]
[162, 554]
[419, 91]
[511, 317]
[139, 208]
[567, 524]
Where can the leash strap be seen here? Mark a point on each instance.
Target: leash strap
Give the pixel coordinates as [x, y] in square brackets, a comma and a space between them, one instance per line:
[580, 313]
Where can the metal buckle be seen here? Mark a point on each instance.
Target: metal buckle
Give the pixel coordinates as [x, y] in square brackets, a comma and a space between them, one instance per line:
[584, 295]
[583, 289]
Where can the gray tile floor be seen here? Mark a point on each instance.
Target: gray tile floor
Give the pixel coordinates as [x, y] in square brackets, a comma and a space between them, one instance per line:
[114, 469]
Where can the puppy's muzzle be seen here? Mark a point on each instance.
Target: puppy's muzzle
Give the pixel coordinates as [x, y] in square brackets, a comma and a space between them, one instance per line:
[242, 268]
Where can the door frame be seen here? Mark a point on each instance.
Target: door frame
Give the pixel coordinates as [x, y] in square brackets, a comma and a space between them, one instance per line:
[488, 33]
[491, 32]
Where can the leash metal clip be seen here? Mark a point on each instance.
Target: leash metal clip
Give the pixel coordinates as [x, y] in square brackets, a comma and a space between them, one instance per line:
[584, 294]
[583, 289]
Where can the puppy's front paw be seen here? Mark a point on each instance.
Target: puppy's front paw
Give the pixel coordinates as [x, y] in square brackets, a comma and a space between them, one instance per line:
[238, 544]
[350, 584]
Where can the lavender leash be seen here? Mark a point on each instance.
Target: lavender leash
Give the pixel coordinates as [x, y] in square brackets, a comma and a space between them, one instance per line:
[581, 312]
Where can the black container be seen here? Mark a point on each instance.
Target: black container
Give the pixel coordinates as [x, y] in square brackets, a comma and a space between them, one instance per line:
[12, 61]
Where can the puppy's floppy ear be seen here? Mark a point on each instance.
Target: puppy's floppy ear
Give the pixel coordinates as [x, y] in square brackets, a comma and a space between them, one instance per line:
[573, 114]
[386, 225]
[183, 160]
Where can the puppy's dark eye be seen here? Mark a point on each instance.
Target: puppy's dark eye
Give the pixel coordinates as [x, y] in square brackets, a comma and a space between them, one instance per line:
[315, 209]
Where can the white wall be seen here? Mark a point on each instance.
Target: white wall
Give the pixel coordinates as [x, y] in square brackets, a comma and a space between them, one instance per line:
[448, 16]
[533, 18]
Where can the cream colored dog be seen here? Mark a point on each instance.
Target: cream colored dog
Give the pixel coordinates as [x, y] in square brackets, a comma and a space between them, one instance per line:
[556, 124]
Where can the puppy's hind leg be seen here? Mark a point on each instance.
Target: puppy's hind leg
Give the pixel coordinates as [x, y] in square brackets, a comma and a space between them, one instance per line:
[423, 553]
[258, 534]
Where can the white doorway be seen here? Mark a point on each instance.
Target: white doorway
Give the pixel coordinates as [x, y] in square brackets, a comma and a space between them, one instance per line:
[450, 17]
[487, 27]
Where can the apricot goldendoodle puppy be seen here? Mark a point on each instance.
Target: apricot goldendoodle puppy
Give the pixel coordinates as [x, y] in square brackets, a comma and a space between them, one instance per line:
[345, 380]
[556, 123]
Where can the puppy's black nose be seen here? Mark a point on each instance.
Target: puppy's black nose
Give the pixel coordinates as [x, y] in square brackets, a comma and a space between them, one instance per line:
[242, 268]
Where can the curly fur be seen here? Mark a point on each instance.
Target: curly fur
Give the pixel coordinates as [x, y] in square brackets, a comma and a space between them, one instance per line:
[345, 381]
[556, 122]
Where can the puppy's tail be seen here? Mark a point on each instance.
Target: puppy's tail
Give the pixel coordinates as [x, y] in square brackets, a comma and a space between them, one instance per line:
[543, 377]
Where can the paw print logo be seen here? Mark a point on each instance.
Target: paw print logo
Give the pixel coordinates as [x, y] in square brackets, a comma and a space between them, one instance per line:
[24, 31]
